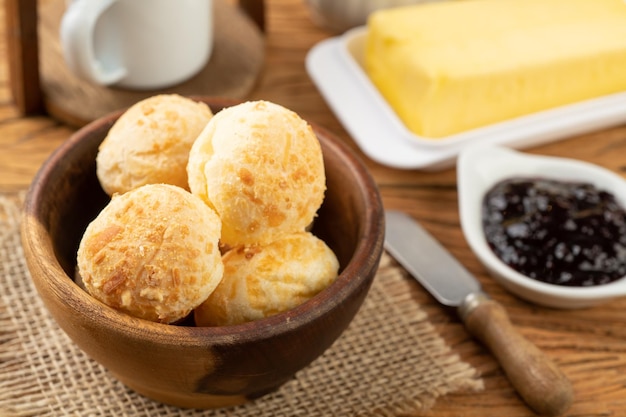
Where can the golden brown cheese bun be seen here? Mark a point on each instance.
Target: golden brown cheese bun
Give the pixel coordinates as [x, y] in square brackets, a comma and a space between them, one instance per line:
[260, 166]
[152, 253]
[150, 142]
[262, 280]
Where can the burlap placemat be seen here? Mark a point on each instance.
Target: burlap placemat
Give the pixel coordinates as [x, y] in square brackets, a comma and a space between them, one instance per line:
[390, 361]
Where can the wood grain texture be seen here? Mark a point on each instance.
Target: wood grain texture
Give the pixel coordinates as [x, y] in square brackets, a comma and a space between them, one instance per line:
[588, 345]
[535, 377]
[23, 46]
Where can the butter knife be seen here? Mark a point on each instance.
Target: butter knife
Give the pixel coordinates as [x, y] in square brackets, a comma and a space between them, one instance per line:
[535, 377]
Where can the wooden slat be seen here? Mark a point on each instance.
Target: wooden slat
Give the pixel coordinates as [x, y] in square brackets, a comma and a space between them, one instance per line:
[23, 52]
[256, 10]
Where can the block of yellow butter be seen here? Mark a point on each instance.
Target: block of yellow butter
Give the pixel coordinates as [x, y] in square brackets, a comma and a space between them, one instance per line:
[448, 67]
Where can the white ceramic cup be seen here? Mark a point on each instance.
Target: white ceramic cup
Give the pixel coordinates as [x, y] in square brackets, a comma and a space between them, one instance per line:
[137, 44]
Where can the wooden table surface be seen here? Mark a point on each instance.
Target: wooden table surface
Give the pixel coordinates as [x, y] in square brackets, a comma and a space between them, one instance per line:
[589, 345]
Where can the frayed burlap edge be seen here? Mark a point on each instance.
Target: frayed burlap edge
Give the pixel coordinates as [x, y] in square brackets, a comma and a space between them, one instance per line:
[389, 362]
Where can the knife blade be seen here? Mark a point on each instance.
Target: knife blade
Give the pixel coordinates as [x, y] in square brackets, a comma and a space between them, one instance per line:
[537, 379]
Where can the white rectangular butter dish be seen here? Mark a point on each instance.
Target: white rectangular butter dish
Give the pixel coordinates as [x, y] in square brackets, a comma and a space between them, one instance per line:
[336, 67]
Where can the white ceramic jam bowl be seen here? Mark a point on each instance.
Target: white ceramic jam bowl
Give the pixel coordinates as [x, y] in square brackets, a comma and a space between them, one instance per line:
[479, 168]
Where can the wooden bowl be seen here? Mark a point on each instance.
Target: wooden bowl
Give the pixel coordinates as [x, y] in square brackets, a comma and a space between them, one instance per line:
[191, 366]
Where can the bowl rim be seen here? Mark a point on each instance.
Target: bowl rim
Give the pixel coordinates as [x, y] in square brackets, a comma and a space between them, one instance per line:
[480, 167]
[362, 263]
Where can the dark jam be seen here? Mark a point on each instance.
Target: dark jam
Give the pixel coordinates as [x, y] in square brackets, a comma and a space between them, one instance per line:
[564, 233]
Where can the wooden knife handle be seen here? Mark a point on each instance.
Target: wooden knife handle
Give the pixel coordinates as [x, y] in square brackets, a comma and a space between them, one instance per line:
[535, 377]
